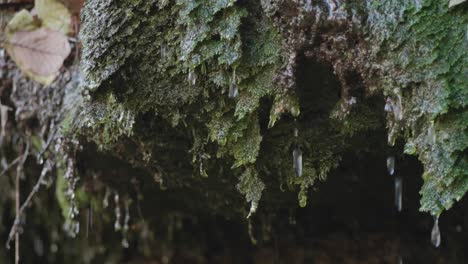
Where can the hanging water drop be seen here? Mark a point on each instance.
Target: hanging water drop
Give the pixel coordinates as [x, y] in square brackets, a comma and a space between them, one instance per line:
[127, 216]
[192, 77]
[398, 193]
[388, 105]
[296, 132]
[391, 165]
[233, 88]
[297, 156]
[253, 208]
[118, 215]
[125, 243]
[398, 109]
[105, 201]
[435, 234]
[163, 51]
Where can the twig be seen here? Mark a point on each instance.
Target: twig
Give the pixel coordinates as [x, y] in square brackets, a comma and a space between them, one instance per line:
[17, 208]
[19, 172]
[14, 229]
[11, 165]
[49, 140]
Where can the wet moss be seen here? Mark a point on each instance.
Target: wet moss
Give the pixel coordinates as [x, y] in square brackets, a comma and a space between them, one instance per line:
[179, 60]
[423, 53]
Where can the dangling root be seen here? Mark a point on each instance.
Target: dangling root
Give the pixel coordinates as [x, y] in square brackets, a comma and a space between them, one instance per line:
[11, 165]
[16, 225]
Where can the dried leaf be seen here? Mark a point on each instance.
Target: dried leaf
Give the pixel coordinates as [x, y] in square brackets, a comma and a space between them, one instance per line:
[54, 15]
[455, 2]
[21, 21]
[40, 53]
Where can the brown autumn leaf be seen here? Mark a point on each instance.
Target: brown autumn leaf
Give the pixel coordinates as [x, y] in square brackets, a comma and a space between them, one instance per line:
[40, 53]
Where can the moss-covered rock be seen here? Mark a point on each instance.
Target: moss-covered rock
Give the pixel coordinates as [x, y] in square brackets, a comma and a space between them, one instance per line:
[191, 105]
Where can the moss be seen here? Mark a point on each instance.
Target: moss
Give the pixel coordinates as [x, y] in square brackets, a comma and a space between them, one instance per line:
[184, 55]
[153, 108]
[251, 187]
[424, 49]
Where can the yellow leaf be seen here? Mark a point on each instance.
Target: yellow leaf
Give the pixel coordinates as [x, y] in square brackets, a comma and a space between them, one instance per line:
[54, 15]
[21, 21]
[39, 53]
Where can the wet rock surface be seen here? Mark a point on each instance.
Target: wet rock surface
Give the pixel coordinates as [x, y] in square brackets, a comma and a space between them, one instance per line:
[183, 115]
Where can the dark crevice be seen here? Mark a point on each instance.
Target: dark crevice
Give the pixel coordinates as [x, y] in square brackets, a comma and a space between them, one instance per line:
[318, 89]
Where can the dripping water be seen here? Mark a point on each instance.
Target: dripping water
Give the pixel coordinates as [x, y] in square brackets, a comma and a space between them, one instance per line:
[125, 243]
[118, 214]
[435, 234]
[398, 193]
[105, 201]
[391, 165]
[253, 208]
[297, 155]
[233, 88]
[192, 77]
[163, 51]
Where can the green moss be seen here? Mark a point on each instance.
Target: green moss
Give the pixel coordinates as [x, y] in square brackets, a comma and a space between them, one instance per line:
[139, 55]
[425, 53]
[251, 187]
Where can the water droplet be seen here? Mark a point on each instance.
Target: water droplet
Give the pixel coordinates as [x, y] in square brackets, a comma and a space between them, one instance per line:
[435, 234]
[125, 243]
[233, 88]
[297, 156]
[253, 208]
[127, 216]
[70, 213]
[118, 215]
[105, 201]
[398, 109]
[398, 193]
[163, 51]
[296, 132]
[192, 77]
[391, 165]
[388, 105]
